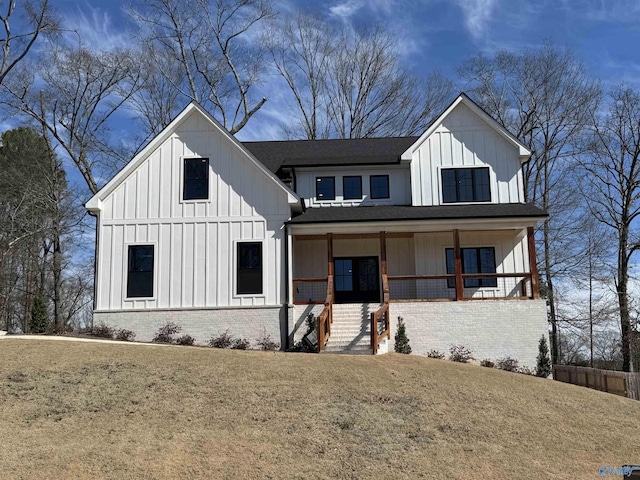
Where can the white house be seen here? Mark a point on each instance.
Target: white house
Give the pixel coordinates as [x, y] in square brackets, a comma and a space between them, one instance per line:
[214, 234]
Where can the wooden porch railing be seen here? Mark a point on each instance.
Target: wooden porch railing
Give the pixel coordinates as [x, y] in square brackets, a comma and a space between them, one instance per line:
[326, 317]
[376, 335]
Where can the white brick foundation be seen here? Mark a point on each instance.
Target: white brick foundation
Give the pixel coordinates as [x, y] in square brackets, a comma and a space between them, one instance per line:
[298, 320]
[490, 328]
[202, 324]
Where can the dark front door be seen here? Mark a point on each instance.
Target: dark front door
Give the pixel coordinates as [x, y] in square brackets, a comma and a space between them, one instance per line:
[356, 280]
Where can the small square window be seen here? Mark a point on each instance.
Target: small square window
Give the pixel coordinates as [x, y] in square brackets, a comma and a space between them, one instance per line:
[352, 188]
[325, 188]
[249, 268]
[140, 271]
[196, 179]
[379, 186]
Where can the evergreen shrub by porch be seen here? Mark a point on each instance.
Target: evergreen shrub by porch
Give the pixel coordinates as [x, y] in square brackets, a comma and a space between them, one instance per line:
[401, 339]
[543, 367]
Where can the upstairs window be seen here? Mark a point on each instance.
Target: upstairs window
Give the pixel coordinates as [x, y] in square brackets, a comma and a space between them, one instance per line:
[474, 260]
[352, 188]
[465, 185]
[249, 268]
[379, 186]
[326, 188]
[140, 271]
[196, 179]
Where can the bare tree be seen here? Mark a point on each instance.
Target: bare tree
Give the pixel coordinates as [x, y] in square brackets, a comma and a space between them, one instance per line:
[214, 44]
[612, 168]
[83, 90]
[546, 99]
[350, 83]
[18, 37]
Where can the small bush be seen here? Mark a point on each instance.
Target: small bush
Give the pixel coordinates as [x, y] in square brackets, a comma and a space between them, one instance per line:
[266, 343]
[125, 335]
[166, 332]
[224, 340]
[543, 367]
[525, 370]
[487, 363]
[460, 353]
[39, 316]
[401, 339]
[186, 340]
[507, 364]
[312, 323]
[240, 344]
[435, 354]
[103, 331]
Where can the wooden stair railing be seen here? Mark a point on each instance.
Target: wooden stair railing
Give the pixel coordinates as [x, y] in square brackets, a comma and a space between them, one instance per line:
[383, 312]
[326, 317]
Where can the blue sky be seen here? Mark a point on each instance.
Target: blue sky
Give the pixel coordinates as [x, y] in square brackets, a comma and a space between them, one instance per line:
[433, 34]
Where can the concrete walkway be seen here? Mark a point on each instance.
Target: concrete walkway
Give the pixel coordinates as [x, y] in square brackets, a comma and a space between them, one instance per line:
[79, 339]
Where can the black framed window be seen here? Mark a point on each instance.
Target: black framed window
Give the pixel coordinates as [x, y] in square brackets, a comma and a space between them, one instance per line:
[465, 185]
[140, 271]
[249, 268]
[352, 188]
[474, 260]
[379, 186]
[325, 188]
[196, 179]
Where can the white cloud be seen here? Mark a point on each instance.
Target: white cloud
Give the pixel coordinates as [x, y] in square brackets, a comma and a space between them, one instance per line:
[347, 8]
[477, 15]
[96, 29]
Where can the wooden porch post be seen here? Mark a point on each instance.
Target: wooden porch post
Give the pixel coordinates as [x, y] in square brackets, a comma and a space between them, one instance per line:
[383, 267]
[330, 255]
[458, 264]
[533, 265]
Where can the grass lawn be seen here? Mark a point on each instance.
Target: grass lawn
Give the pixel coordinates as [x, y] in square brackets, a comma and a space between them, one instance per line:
[79, 410]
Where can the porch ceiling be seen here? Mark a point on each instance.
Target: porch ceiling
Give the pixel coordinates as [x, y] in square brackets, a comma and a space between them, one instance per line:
[398, 218]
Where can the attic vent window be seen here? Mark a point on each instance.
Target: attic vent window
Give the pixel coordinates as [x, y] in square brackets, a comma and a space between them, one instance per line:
[196, 179]
[465, 185]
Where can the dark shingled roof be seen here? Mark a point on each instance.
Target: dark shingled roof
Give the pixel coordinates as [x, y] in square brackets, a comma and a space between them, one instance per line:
[406, 212]
[310, 153]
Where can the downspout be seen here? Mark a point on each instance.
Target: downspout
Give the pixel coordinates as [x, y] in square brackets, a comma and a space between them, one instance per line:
[286, 283]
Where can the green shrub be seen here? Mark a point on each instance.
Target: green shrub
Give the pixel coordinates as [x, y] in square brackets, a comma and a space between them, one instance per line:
[401, 339]
[487, 363]
[187, 340]
[460, 354]
[103, 331]
[543, 362]
[166, 332]
[525, 370]
[39, 316]
[240, 344]
[224, 340]
[266, 343]
[435, 354]
[125, 335]
[507, 364]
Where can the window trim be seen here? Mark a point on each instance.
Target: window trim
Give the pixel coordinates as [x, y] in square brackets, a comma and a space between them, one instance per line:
[317, 181]
[183, 160]
[371, 177]
[235, 268]
[125, 288]
[466, 167]
[344, 195]
[495, 267]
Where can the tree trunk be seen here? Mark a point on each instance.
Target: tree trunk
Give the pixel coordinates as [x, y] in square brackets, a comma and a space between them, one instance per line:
[623, 298]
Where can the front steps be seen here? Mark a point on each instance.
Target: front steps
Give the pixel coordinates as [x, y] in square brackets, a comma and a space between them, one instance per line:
[351, 329]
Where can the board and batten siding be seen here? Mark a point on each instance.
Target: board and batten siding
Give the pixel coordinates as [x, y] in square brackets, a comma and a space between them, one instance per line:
[195, 241]
[399, 186]
[465, 140]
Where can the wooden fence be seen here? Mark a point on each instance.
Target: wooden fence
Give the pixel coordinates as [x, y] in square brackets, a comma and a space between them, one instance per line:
[619, 383]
